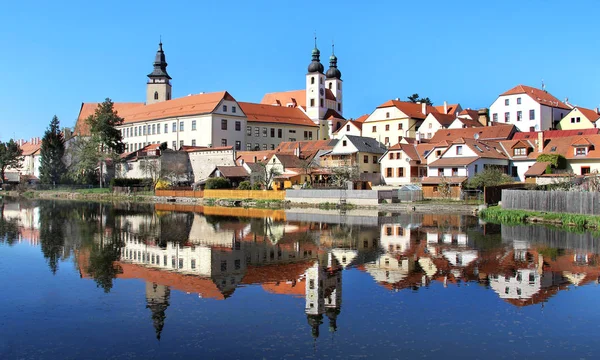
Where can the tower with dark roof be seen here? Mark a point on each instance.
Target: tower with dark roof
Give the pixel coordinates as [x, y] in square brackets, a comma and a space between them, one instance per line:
[315, 88]
[158, 87]
[333, 81]
[157, 300]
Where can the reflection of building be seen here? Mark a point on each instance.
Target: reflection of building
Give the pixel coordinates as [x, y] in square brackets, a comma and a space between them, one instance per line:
[157, 300]
[323, 293]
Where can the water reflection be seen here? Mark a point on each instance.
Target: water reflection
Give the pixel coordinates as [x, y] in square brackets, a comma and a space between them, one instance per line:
[211, 252]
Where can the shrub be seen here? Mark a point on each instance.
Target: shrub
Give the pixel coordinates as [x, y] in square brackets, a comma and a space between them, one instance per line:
[556, 160]
[162, 184]
[256, 187]
[218, 183]
[245, 185]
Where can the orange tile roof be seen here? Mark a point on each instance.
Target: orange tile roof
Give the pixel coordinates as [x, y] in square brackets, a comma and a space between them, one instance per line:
[183, 106]
[500, 132]
[550, 134]
[283, 98]
[564, 146]
[412, 110]
[289, 147]
[444, 119]
[537, 169]
[451, 109]
[409, 149]
[469, 122]
[248, 156]
[275, 272]
[83, 129]
[31, 148]
[276, 114]
[451, 161]
[473, 114]
[540, 96]
[591, 115]
[362, 118]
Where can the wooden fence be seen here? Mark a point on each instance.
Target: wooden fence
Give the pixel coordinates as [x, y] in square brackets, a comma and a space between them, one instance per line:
[574, 202]
[493, 194]
[245, 194]
[180, 193]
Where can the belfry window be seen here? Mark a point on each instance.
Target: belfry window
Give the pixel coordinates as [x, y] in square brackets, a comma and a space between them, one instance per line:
[156, 95]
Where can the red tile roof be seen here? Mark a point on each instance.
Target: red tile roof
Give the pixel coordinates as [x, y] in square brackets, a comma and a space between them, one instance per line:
[276, 114]
[450, 107]
[550, 134]
[451, 161]
[469, 122]
[591, 115]
[540, 96]
[83, 129]
[444, 119]
[31, 148]
[362, 118]
[472, 114]
[306, 147]
[283, 98]
[412, 110]
[183, 106]
[537, 169]
[232, 171]
[500, 132]
[332, 114]
[565, 146]
[249, 156]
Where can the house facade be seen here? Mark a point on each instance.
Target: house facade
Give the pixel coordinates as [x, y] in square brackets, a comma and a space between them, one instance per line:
[579, 118]
[528, 108]
[363, 153]
[404, 163]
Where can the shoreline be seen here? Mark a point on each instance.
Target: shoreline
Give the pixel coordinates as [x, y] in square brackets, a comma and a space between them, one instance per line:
[561, 220]
[427, 207]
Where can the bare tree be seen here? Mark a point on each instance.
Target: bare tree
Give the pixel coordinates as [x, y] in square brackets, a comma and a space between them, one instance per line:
[344, 173]
[151, 168]
[267, 174]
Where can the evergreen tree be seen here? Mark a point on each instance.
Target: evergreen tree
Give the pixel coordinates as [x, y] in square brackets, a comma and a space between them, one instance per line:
[52, 167]
[10, 156]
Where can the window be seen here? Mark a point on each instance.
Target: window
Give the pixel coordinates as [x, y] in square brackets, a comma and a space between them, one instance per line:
[256, 131]
[238, 145]
[233, 109]
[506, 117]
[387, 127]
[166, 128]
[174, 126]
[193, 264]
[158, 128]
[272, 132]
[585, 170]
[400, 126]
[181, 126]
[264, 147]
[366, 159]
[344, 142]
[391, 157]
[519, 101]
[249, 147]
[520, 152]
[193, 142]
[374, 128]
[238, 126]
[495, 117]
[519, 115]
[388, 172]
[312, 102]
[193, 125]
[237, 264]
[279, 133]
[180, 143]
[578, 119]
[531, 114]
[272, 146]
[321, 102]
[387, 115]
[156, 95]
[572, 120]
[135, 131]
[144, 129]
[386, 140]
[339, 107]
[347, 127]
[514, 172]
[398, 155]
[223, 124]
[475, 169]
[312, 80]
[506, 102]
[224, 108]
[430, 125]
[580, 151]
[459, 150]
[264, 132]
[223, 142]
[454, 171]
[400, 172]
[248, 130]
[374, 159]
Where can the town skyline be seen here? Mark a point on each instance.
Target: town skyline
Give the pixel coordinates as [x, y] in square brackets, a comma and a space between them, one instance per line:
[111, 65]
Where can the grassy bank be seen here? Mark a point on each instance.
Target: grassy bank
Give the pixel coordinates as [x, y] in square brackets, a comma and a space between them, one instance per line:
[497, 214]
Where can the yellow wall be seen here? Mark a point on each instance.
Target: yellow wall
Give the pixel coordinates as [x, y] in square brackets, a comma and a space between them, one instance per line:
[565, 123]
[576, 165]
[244, 194]
[408, 129]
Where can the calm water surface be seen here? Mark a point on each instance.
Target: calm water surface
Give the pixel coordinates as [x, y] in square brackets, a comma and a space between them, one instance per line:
[91, 281]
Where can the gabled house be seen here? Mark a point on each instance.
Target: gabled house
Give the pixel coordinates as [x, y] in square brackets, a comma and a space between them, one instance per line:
[450, 109]
[522, 154]
[582, 152]
[405, 163]
[579, 118]
[235, 174]
[497, 132]
[350, 127]
[529, 109]
[464, 122]
[433, 123]
[395, 119]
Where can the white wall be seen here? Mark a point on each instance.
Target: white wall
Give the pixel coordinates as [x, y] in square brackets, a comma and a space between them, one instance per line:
[527, 103]
[348, 129]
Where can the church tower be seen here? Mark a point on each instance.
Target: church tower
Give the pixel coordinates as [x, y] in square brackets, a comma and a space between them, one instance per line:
[315, 87]
[333, 81]
[158, 87]
[157, 300]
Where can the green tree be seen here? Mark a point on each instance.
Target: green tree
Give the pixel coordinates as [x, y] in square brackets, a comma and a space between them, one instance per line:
[414, 98]
[9, 228]
[52, 237]
[106, 140]
[10, 156]
[52, 167]
[218, 183]
[491, 176]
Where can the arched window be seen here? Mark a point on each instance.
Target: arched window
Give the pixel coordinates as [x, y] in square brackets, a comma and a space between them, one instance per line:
[156, 95]
[312, 80]
[330, 85]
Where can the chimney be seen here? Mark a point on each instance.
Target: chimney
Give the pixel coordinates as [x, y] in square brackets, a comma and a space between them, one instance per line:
[418, 137]
[597, 111]
[424, 108]
[483, 117]
[540, 142]
[445, 107]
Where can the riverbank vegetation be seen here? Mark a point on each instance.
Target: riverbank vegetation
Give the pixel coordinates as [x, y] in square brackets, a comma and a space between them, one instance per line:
[497, 214]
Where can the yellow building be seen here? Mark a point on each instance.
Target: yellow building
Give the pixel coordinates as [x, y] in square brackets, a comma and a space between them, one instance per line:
[579, 118]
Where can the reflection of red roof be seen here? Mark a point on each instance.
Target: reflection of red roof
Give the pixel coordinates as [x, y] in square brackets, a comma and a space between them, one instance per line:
[276, 272]
[294, 288]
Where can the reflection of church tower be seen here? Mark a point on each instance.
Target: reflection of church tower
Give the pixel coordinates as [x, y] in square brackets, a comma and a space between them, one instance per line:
[323, 293]
[157, 300]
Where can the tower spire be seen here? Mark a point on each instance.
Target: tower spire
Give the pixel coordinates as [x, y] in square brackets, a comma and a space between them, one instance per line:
[315, 65]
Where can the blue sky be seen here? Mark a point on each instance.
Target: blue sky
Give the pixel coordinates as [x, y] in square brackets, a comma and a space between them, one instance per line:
[56, 55]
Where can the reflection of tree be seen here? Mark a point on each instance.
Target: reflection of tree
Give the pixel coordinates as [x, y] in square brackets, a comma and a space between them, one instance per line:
[176, 228]
[9, 228]
[102, 265]
[52, 239]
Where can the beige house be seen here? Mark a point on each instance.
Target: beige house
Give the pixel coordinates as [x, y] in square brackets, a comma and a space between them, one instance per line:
[395, 119]
[363, 153]
[579, 118]
[350, 127]
[405, 163]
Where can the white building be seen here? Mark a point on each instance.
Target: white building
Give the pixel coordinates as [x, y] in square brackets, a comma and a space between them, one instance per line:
[528, 108]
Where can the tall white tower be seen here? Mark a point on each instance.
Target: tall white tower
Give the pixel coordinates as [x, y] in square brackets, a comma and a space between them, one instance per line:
[315, 87]
[333, 81]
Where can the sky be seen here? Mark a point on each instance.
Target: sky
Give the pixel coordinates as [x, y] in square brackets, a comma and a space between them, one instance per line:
[56, 55]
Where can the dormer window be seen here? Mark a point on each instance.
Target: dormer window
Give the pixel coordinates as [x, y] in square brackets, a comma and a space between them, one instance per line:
[581, 151]
[520, 152]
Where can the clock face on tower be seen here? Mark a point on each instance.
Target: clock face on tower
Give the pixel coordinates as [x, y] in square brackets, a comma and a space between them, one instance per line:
[321, 91]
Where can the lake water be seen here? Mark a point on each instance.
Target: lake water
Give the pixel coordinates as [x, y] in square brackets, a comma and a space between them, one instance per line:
[95, 281]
